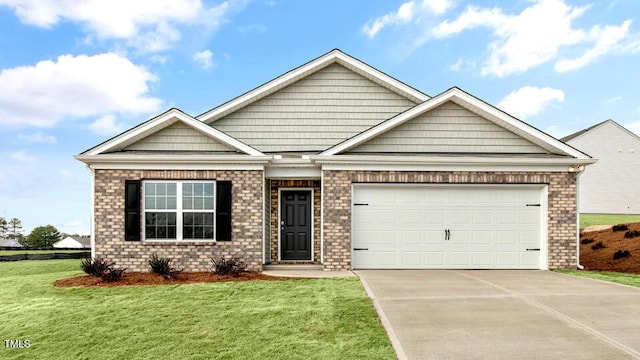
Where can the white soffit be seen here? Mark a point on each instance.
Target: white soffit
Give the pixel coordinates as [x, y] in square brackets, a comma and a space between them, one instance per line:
[162, 121]
[334, 56]
[473, 104]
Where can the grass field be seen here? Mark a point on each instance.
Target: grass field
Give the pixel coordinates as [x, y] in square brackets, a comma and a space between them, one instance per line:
[620, 278]
[301, 319]
[606, 219]
[18, 252]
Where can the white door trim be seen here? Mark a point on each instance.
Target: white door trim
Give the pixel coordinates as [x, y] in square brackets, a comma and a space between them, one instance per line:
[310, 189]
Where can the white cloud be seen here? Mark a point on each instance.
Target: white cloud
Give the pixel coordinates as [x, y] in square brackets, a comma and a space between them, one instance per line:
[521, 41]
[457, 65]
[204, 59]
[107, 125]
[607, 39]
[530, 100]
[38, 138]
[22, 156]
[149, 25]
[407, 12]
[74, 86]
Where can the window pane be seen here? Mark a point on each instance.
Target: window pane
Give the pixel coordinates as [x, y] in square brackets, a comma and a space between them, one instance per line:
[162, 232]
[171, 189]
[187, 232]
[149, 202]
[171, 219]
[150, 232]
[197, 203]
[208, 189]
[161, 203]
[161, 189]
[150, 189]
[208, 219]
[198, 189]
[208, 232]
[171, 202]
[198, 233]
[197, 219]
[171, 232]
[187, 203]
[208, 203]
[187, 189]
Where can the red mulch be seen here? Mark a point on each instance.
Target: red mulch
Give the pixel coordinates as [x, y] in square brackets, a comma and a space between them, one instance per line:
[136, 278]
[602, 259]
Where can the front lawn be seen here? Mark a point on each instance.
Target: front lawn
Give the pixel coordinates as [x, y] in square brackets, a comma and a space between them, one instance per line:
[301, 319]
[620, 278]
[606, 219]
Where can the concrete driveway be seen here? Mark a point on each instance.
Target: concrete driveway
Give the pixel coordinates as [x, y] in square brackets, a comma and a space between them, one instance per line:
[475, 314]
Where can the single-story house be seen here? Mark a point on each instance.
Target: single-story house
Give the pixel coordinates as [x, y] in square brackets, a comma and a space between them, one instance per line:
[610, 186]
[10, 243]
[76, 242]
[337, 164]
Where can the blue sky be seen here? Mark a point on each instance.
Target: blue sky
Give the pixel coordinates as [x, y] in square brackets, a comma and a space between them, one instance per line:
[73, 73]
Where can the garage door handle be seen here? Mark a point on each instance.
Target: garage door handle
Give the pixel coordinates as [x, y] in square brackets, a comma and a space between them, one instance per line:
[360, 249]
[533, 249]
[447, 234]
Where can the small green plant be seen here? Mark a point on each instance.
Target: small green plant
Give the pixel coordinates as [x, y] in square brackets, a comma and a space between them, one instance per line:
[586, 241]
[631, 234]
[232, 266]
[620, 227]
[162, 266]
[621, 254]
[95, 267]
[598, 245]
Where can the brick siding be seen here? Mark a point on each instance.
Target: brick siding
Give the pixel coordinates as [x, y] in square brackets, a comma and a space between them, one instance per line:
[246, 244]
[562, 210]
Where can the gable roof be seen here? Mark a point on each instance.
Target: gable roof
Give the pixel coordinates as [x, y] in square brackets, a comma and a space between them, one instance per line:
[288, 78]
[159, 123]
[596, 126]
[464, 99]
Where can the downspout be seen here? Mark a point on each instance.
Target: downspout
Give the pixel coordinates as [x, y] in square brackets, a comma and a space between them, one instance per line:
[578, 173]
[93, 204]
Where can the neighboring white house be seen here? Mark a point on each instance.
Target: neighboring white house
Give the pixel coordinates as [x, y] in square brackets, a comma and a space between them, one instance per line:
[611, 185]
[80, 242]
[10, 243]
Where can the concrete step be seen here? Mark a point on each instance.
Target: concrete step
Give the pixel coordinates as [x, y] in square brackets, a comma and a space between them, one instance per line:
[292, 267]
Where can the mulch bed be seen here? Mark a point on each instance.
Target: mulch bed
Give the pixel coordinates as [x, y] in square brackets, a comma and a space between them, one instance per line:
[602, 259]
[137, 278]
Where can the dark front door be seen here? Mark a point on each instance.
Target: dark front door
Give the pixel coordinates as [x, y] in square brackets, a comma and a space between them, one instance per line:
[295, 225]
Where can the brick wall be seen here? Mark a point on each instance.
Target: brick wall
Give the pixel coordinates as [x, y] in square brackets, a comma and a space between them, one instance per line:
[562, 209]
[246, 244]
[275, 228]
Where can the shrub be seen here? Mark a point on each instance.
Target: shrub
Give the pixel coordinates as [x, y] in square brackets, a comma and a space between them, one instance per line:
[586, 241]
[620, 228]
[233, 266]
[99, 267]
[112, 274]
[162, 266]
[95, 267]
[631, 234]
[621, 254]
[598, 245]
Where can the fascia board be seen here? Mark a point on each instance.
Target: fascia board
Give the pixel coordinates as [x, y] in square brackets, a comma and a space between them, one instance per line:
[172, 158]
[304, 70]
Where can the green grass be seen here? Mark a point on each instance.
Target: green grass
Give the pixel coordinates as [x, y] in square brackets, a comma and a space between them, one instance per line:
[19, 252]
[302, 319]
[620, 278]
[606, 219]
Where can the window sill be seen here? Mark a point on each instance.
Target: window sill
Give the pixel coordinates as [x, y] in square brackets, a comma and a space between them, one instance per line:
[180, 242]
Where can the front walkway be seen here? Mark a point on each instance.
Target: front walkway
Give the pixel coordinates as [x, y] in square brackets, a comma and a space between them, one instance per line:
[504, 314]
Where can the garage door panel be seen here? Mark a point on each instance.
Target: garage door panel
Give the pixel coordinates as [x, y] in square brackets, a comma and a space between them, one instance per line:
[488, 227]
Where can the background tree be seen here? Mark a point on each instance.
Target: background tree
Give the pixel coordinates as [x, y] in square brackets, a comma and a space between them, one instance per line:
[14, 229]
[3, 228]
[43, 236]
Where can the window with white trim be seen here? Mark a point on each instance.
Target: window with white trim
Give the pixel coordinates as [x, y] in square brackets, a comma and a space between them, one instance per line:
[179, 210]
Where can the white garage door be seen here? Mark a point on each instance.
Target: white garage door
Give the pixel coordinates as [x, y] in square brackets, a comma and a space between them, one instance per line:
[448, 227]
